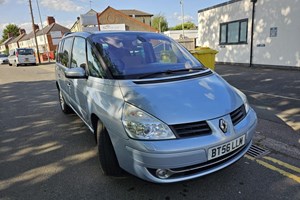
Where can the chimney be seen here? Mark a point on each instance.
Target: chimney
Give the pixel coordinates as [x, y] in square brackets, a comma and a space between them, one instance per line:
[50, 20]
[9, 35]
[36, 27]
[22, 31]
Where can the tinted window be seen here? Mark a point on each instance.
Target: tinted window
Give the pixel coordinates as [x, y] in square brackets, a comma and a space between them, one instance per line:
[94, 65]
[78, 53]
[59, 51]
[234, 32]
[66, 52]
[132, 55]
[25, 51]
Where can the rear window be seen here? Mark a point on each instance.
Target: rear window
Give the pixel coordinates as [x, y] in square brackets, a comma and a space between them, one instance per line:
[25, 51]
[3, 55]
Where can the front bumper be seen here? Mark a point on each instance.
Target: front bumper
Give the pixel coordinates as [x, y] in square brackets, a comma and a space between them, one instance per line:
[185, 158]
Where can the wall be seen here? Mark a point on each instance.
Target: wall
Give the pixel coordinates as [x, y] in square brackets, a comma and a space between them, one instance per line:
[145, 20]
[285, 48]
[209, 30]
[2, 48]
[282, 50]
[112, 16]
[13, 46]
[177, 33]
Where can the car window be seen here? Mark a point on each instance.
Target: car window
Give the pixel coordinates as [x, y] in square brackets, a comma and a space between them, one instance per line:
[25, 51]
[78, 53]
[131, 55]
[59, 51]
[66, 52]
[94, 64]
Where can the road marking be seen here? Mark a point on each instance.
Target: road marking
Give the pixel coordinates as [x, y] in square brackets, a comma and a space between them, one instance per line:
[273, 168]
[286, 165]
[272, 95]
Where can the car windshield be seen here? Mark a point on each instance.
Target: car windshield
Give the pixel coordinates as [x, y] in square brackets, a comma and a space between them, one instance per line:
[131, 55]
[25, 51]
[3, 55]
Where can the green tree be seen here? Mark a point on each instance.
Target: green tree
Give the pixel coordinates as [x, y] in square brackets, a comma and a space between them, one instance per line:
[186, 25]
[12, 29]
[160, 23]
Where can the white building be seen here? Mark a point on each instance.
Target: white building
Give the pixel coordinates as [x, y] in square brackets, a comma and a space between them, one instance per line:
[178, 34]
[227, 27]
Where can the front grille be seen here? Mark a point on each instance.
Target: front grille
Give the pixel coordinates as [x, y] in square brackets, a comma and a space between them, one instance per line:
[191, 129]
[238, 115]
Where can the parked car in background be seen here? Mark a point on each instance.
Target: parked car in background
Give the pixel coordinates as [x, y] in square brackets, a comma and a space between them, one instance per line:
[21, 56]
[155, 111]
[3, 59]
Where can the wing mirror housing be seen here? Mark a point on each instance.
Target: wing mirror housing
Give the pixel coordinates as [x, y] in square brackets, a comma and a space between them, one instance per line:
[75, 73]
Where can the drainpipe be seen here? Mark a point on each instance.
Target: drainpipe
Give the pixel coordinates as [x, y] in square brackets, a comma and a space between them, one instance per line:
[252, 31]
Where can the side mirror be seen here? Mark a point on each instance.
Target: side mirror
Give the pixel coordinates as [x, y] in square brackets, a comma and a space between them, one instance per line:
[75, 73]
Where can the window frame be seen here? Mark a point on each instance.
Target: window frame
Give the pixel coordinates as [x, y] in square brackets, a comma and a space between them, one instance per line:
[239, 32]
[104, 75]
[72, 49]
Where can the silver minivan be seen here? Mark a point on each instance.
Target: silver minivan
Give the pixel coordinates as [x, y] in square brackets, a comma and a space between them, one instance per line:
[21, 56]
[156, 111]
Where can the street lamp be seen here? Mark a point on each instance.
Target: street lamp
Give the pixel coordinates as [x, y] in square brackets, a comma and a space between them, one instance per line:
[182, 15]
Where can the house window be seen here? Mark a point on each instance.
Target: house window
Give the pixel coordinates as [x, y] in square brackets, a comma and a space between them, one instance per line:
[234, 32]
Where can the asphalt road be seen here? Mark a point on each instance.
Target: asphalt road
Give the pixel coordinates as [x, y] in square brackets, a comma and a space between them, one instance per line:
[45, 154]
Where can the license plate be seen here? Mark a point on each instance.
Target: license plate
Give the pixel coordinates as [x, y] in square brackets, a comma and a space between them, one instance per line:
[226, 148]
[26, 59]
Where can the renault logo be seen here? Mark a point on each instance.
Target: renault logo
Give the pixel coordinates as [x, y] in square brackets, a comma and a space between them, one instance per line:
[223, 125]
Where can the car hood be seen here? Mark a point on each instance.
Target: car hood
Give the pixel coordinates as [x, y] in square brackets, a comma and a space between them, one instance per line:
[183, 101]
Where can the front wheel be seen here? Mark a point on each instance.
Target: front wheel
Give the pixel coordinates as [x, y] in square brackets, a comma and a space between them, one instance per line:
[64, 107]
[107, 156]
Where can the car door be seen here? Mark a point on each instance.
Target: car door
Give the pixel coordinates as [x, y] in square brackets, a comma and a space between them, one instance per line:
[62, 64]
[78, 87]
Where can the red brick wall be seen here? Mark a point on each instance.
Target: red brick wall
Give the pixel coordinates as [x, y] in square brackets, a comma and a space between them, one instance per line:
[111, 16]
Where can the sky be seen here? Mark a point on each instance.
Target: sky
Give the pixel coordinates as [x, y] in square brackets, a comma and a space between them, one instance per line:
[65, 12]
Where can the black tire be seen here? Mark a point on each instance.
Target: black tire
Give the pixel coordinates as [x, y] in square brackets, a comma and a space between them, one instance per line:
[63, 105]
[107, 156]
[9, 64]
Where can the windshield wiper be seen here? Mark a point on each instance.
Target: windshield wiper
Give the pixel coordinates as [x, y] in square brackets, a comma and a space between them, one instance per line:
[170, 71]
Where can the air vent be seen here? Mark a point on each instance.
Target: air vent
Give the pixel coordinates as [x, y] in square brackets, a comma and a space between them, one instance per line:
[238, 115]
[257, 152]
[191, 129]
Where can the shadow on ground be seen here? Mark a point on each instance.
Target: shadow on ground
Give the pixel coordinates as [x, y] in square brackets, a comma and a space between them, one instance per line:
[45, 154]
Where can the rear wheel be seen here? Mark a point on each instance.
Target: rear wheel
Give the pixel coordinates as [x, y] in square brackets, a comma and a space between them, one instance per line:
[64, 107]
[107, 156]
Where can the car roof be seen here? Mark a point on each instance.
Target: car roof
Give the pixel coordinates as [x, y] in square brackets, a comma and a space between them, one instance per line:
[89, 34]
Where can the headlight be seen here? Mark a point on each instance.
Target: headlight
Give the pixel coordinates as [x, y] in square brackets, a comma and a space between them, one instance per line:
[140, 125]
[244, 98]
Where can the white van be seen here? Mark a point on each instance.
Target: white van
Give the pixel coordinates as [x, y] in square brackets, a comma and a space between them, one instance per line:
[21, 56]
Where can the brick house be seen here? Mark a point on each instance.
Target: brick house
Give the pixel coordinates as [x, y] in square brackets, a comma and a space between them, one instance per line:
[4, 45]
[132, 19]
[28, 40]
[14, 43]
[47, 38]
[110, 18]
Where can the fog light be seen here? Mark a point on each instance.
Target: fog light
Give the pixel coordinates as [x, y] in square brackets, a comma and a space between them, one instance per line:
[163, 173]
